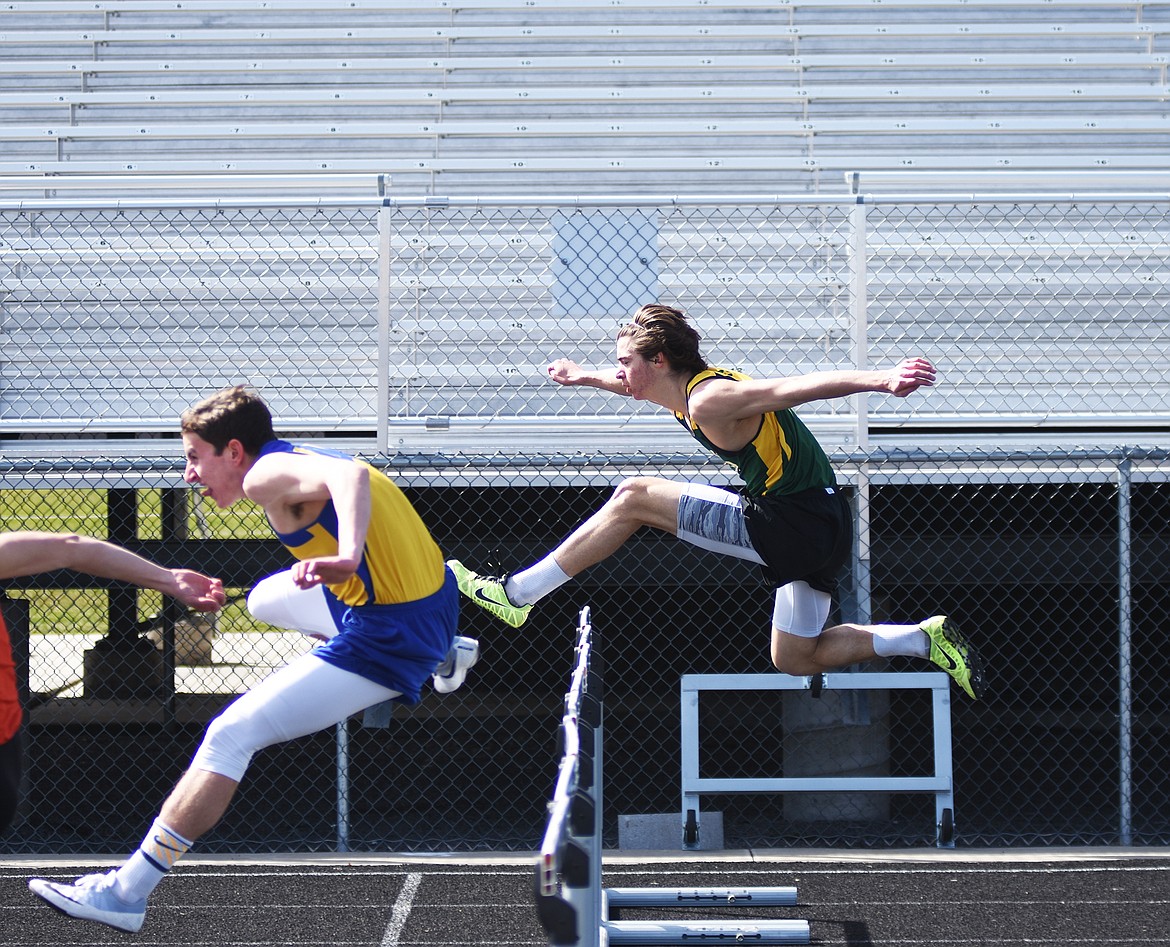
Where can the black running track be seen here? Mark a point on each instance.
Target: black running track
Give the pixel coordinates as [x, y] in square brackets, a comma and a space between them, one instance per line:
[1024, 898]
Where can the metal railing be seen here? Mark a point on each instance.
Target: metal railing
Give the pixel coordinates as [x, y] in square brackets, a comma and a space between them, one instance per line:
[424, 324]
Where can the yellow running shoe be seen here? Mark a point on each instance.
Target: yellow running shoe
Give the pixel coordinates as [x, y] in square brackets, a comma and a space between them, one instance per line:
[487, 591]
[951, 652]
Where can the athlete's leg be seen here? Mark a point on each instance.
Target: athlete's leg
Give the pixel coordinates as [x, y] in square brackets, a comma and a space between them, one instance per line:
[278, 600]
[800, 642]
[301, 698]
[10, 774]
[697, 513]
[800, 646]
[318, 613]
[713, 519]
[637, 502]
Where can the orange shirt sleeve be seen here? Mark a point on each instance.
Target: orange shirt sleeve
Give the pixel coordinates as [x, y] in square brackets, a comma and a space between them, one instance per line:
[10, 712]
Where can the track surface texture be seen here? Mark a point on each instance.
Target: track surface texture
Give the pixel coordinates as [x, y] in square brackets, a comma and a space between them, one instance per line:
[1030, 899]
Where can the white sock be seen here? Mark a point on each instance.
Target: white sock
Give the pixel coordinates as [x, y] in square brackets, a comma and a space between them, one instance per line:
[157, 854]
[534, 583]
[907, 640]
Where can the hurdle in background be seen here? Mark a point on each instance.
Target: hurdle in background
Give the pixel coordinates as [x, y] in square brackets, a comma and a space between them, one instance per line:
[573, 908]
[940, 782]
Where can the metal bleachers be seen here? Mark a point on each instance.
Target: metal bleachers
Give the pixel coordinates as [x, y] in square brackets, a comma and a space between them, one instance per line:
[303, 100]
[118, 317]
[581, 96]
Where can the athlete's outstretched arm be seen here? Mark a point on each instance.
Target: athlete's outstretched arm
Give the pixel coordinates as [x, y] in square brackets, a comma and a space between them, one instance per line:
[712, 403]
[29, 552]
[564, 371]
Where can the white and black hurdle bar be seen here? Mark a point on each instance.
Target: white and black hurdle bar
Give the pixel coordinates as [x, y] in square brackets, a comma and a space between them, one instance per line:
[573, 907]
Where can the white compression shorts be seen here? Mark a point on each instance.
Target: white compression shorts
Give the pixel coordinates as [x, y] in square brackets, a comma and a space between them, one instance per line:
[712, 518]
[302, 697]
[305, 696]
[278, 601]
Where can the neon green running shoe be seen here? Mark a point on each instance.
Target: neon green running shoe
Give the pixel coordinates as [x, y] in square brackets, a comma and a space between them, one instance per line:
[951, 652]
[487, 591]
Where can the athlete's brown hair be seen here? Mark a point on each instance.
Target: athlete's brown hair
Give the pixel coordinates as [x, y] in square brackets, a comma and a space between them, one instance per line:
[232, 414]
[663, 330]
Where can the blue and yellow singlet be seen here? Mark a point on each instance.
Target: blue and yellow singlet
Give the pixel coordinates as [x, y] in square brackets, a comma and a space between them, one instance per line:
[400, 562]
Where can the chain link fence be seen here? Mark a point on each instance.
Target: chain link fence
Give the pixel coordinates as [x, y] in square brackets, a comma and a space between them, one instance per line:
[430, 321]
[1025, 496]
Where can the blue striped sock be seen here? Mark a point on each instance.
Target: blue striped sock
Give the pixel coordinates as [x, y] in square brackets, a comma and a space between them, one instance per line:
[142, 872]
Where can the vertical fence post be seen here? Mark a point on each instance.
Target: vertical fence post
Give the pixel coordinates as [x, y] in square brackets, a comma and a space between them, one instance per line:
[1125, 668]
[862, 562]
[382, 422]
[343, 786]
[173, 510]
[858, 306]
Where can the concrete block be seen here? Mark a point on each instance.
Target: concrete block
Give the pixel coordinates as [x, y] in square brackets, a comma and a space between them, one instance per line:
[664, 832]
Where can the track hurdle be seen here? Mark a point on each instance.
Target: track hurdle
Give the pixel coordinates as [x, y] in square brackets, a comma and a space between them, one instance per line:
[573, 907]
[940, 783]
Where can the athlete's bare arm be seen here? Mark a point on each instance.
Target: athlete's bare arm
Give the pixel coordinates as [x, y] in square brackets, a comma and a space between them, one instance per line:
[29, 552]
[564, 371]
[712, 403]
[292, 488]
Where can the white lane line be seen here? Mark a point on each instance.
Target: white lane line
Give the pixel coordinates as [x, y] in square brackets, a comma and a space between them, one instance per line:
[400, 913]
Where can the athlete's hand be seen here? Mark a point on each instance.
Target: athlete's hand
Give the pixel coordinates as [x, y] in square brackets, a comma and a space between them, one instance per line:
[327, 570]
[564, 371]
[909, 375]
[198, 591]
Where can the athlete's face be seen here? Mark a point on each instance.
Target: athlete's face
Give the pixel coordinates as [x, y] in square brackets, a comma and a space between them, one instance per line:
[634, 371]
[220, 474]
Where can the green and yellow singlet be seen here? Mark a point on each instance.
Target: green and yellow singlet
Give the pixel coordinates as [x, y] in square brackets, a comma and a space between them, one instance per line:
[782, 459]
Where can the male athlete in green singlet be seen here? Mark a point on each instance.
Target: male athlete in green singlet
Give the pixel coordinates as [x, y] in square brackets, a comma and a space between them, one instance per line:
[790, 518]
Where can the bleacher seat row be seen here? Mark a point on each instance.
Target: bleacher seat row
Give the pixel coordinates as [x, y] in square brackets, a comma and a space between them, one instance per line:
[582, 96]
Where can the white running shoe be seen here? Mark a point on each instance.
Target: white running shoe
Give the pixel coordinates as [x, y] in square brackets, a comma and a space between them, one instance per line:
[91, 898]
[462, 657]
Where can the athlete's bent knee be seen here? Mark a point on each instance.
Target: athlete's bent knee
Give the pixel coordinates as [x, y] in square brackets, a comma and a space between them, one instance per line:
[224, 749]
[794, 666]
[261, 605]
[631, 491]
[635, 500]
[789, 660]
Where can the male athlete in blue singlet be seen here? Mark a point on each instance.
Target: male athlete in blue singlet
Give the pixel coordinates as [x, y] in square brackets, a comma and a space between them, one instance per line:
[369, 579]
[30, 552]
[790, 517]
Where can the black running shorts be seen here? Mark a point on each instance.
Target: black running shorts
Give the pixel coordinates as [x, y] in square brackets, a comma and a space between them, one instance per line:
[805, 536]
